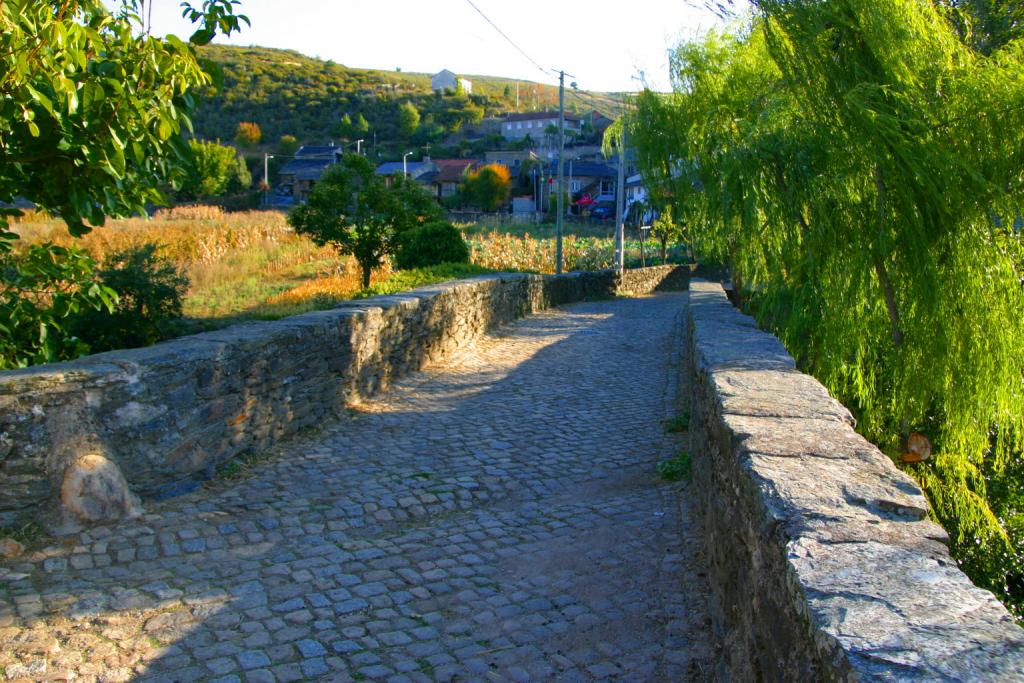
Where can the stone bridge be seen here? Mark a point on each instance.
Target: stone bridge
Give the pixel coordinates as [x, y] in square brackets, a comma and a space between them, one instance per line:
[424, 488]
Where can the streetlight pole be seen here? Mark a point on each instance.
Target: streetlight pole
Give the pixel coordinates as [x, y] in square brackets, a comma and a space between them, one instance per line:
[405, 167]
[266, 177]
[620, 202]
[359, 144]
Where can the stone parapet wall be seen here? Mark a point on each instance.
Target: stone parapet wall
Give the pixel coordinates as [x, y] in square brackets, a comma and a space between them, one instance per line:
[82, 440]
[823, 562]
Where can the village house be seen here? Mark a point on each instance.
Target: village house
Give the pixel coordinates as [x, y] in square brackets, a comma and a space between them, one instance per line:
[536, 123]
[297, 177]
[449, 173]
[411, 169]
[595, 180]
[446, 80]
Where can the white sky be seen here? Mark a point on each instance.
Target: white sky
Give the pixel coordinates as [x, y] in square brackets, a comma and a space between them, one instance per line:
[603, 44]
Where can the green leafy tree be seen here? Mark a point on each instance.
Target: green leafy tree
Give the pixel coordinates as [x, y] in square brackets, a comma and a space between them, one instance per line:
[41, 292]
[353, 210]
[287, 145]
[90, 130]
[218, 170]
[361, 126]
[344, 128]
[665, 230]
[412, 205]
[93, 129]
[408, 118]
[847, 158]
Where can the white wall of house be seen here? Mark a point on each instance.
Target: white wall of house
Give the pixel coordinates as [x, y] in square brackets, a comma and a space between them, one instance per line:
[536, 128]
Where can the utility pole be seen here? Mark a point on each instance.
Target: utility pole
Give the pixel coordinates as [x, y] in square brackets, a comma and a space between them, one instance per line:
[561, 178]
[359, 145]
[620, 202]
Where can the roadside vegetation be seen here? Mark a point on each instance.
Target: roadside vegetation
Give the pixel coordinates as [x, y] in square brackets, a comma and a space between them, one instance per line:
[857, 163]
[253, 266]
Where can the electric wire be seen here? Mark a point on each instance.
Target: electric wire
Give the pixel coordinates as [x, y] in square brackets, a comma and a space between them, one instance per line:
[510, 41]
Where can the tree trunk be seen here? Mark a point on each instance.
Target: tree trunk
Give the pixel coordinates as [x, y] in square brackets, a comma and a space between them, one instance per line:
[365, 271]
[664, 250]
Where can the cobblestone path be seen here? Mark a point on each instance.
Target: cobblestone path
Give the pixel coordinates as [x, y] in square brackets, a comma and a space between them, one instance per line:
[494, 518]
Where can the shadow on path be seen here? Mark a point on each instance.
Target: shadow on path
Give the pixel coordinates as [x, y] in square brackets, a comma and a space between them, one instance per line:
[496, 517]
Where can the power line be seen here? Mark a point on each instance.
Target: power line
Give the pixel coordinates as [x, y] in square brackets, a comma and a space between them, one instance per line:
[510, 41]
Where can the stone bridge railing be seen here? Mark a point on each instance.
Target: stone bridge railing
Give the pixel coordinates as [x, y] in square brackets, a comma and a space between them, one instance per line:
[83, 440]
[822, 559]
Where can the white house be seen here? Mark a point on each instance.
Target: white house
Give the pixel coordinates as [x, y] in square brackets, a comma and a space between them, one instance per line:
[446, 80]
[536, 124]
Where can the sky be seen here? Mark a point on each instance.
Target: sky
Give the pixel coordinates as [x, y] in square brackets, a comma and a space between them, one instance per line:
[604, 45]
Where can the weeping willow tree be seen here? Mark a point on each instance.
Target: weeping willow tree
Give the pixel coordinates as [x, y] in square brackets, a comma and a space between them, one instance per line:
[857, 163]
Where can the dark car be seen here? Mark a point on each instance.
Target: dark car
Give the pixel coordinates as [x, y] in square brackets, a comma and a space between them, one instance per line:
[602, 212]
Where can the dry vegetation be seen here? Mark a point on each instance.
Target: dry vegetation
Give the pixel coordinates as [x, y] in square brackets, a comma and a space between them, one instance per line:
[252, 265]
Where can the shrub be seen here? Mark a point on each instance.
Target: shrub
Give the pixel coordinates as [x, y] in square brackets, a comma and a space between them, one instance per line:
[41, 292]
[151, 289]
[431, 244]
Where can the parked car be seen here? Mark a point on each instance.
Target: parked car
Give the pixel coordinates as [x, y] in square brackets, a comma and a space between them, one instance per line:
[602, 212]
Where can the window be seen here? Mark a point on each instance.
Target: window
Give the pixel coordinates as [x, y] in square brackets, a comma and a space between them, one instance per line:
[607, 187]
[519, 124]
[575, 186]
[529, 124]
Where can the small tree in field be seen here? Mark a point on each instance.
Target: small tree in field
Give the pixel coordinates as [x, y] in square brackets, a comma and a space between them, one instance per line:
[665, 230]
[248, 134]
[487, 188]
[353, 210]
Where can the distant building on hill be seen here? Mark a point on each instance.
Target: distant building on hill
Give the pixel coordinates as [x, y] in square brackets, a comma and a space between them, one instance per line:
[446, 80]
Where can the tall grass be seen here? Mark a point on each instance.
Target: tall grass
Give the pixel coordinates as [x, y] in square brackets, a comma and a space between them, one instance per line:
[252, 265]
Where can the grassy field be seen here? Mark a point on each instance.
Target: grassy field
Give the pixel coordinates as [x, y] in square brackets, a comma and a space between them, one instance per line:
[251, 265]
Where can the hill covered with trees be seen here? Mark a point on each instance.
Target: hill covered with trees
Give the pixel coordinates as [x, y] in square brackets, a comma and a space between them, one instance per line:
[288, 93]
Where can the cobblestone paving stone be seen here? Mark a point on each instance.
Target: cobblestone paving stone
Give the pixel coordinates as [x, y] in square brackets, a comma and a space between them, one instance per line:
[496, 517]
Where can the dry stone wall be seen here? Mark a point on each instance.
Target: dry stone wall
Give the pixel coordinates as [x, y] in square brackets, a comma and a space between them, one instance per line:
[823, 563]
[83, 441]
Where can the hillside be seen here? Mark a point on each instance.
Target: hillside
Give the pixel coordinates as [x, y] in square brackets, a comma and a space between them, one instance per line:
[288, 93]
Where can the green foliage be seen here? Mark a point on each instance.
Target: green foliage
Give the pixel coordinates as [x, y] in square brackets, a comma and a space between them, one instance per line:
[287, 92]
[664, 229]
[679, 468]
[411, 205]
[847, 159]
[408, 118]
[92, 129]
[248, 134]
[487, 188]
[89, 130]
[352, 209]
[361, 126]
[287, 145]
[404, 280]
[679, 423]
[40, 293]
[431, 244]
[217, 170]
[150, 292]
